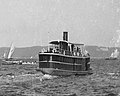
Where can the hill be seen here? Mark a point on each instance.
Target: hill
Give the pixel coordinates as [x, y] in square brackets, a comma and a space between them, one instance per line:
[99, 51]
[27, 52]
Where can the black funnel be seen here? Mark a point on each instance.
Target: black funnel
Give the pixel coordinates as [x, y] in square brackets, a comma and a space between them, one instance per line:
[65, 36]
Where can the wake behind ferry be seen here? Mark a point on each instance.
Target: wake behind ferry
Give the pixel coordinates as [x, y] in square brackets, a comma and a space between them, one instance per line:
[64, 58]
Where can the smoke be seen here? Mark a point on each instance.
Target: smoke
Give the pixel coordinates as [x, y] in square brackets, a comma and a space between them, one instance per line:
[116, 43]
[116, 39]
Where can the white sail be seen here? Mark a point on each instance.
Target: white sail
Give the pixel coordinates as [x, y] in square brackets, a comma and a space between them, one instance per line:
[112, 55]
[4, 55]
[12, 48]
[115, 54]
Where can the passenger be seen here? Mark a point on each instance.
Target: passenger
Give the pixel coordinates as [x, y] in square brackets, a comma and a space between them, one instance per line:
[54, 50]
[80, 53]
[64, 52]
[43, 50]
[51, 50]
[74, 54]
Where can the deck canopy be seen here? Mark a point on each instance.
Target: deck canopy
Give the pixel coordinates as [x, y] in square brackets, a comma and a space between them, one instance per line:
[62, 41]
[56, 42]
[62, 45]
[59, 44]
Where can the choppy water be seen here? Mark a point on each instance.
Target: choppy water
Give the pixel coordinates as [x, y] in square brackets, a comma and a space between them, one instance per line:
[23, 80]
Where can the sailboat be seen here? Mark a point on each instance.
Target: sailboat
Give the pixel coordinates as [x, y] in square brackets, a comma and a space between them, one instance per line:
[12, 49]
[114, 55]
[9, 60]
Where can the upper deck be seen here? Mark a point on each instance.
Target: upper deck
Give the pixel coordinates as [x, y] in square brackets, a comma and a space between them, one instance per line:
[66, 48]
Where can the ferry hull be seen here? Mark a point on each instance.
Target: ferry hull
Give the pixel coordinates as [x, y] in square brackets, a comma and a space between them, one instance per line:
[56, 64]
[60, 72]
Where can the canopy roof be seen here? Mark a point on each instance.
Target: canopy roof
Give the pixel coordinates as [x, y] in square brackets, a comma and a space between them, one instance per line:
[62, 41]
[58, 42]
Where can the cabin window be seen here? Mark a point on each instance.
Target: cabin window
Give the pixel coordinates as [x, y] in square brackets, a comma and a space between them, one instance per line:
[44, 65]
[78, 67]
[56, 58]
[44, 57]
[78, 60]
[65, 66]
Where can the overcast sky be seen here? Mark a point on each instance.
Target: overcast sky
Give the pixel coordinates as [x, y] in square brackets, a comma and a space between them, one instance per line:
[35, 22]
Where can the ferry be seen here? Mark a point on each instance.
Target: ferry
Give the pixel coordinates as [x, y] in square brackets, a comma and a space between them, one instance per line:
[63, 58]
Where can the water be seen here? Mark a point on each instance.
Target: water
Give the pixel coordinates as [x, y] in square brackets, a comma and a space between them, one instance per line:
[23, 80]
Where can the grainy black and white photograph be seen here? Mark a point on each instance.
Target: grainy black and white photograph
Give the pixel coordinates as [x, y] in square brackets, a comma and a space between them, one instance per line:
[59, 47]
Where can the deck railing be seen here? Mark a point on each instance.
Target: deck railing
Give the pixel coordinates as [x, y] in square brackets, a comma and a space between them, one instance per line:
[64, 52]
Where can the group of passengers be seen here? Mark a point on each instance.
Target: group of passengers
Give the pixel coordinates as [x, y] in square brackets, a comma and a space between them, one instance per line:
[76, 51]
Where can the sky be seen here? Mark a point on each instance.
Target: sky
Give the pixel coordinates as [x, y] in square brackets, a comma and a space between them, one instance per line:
[36, 22]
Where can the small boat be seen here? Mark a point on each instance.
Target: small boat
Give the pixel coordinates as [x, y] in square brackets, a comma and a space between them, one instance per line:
[63, 58]
[114, 55]
[30, 63]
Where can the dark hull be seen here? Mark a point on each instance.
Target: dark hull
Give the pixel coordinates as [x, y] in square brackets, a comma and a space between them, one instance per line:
[57, 64]
[60, 72]
[110, 58]
[11, 63]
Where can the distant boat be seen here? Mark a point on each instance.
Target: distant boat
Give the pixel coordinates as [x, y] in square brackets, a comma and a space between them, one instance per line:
[26, 62]
[114, 55]
[64, 58]
[9, 60]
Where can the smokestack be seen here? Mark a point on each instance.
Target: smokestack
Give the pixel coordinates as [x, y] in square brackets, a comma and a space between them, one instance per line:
[65, 36]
